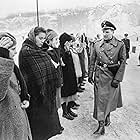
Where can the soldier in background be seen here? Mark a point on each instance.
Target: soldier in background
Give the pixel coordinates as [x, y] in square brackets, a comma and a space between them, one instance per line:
[109, 55]
[127, 45]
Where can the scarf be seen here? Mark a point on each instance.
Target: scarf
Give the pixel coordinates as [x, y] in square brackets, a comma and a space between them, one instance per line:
[38, 68]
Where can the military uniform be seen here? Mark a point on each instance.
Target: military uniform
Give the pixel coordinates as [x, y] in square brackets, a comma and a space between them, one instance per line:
[107, 98]
[127, 46]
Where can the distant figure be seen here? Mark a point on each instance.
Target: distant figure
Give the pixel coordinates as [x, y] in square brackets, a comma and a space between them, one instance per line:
[127, 44]
[139, 60]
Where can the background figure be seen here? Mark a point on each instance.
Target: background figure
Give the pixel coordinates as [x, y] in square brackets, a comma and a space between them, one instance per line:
[127, 45]
[41, 78]
[74, 52]
[69, 87]
[139, 60]
[14, 98]
[110, 57]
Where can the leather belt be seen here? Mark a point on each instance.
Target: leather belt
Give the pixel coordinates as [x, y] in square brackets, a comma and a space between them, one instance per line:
[102, 64]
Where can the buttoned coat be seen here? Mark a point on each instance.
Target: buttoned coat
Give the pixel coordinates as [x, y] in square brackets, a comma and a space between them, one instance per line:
[107, 98]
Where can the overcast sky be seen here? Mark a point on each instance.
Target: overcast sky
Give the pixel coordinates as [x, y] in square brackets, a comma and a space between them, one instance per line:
[13, 6]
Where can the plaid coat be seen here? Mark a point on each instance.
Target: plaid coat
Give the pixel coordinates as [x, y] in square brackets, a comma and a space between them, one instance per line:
[37, 67]
[42, 79]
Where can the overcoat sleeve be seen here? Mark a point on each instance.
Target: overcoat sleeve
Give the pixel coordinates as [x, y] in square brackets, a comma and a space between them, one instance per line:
[6, 69]
[92, 62]
[24, 92]
[122, 60]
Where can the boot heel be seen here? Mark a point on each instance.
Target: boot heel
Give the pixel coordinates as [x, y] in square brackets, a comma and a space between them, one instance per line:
[101, 129]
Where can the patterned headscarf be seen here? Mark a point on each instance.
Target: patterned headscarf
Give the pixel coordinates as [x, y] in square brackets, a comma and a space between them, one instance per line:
[31, 35]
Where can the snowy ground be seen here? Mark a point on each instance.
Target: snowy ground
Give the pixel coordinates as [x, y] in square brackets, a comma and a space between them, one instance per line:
[125, 121]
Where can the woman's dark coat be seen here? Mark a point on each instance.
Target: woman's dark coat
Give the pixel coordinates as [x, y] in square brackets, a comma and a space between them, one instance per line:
[41, 78]
[69, 87]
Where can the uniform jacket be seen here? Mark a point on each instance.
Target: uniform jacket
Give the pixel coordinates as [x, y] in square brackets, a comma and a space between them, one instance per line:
[107, 98]
[115, 49]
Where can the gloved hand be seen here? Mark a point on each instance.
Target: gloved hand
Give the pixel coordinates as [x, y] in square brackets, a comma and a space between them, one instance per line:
[90, 80]
[115, 83]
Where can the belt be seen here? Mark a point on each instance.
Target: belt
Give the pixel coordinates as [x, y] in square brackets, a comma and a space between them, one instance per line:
[104, 65]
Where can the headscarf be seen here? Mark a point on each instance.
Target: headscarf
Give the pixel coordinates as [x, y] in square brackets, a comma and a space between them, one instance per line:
[31, 35]
[50, 35]
[6, 34]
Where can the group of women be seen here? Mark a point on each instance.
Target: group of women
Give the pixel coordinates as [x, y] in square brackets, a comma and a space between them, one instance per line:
[51, 70]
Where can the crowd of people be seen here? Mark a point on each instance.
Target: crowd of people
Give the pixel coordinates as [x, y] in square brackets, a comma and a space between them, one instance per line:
[52, 69]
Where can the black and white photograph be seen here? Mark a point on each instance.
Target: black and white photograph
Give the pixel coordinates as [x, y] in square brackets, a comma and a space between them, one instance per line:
[70, 70]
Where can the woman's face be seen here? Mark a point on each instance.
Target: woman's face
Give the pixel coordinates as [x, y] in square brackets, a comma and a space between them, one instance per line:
[40, 38]
[55, 42]
[12, 51]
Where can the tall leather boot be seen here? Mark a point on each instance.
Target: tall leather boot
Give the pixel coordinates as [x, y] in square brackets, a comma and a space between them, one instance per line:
[107, 120]
[65, 112]
[69, 110]
[101, 129]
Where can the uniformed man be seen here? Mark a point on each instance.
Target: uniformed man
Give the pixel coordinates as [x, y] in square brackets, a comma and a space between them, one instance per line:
[127, 44]
[109, 55]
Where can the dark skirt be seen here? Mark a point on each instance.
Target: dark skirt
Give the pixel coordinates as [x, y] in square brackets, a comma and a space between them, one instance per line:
[43, 121]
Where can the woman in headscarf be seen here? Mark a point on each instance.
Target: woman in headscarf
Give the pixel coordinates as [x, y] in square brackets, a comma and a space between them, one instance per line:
[69, 87]
[51, 45]
[41, 78]
[14, 98]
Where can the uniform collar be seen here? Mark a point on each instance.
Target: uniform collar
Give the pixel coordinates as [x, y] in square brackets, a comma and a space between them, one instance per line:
[113, 42]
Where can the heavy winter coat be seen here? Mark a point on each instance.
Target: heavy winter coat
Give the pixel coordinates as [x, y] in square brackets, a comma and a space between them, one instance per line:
[41, 78]
[107, 98]
[14, 123]
[69, 87]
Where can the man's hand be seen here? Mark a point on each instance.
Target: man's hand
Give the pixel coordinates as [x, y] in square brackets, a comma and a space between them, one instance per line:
[115, 83]
[6, 42]
[90, 80]
[25, 104]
